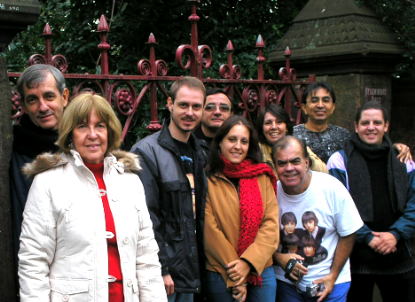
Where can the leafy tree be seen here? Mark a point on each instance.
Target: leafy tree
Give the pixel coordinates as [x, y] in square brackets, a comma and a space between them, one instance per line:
[399, 16]
[74, 24]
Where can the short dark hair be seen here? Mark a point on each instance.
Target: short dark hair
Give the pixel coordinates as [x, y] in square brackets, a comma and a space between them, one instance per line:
[314, 87]
[278, 112]
[216, 90]
[371, 105]
[36, 74]
[309, 216]
[288, 217]
[188, 81]
[283, 142]
[215, 164]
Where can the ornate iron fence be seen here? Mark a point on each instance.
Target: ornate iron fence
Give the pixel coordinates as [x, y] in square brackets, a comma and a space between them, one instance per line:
[121, 90]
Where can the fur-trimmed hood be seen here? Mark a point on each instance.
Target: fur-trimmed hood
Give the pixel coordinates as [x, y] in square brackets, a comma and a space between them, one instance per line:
[127, 161]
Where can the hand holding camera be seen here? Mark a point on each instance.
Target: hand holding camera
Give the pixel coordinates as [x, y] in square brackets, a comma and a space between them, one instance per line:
[322, 287]
[313, 289]
[295, 269]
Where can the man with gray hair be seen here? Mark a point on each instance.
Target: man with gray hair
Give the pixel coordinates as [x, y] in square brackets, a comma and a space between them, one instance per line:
[43, 98]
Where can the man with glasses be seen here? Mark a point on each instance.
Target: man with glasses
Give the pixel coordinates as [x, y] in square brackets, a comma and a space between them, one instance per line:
[218, 108]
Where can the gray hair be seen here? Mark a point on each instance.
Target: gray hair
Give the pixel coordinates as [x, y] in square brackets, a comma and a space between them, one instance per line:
[36, 74]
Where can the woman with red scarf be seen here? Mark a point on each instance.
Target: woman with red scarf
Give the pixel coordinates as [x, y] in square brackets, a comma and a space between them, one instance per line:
[241, 230]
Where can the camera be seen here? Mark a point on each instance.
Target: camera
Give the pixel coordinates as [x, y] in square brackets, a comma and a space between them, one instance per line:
[290, 267]
[312, 289]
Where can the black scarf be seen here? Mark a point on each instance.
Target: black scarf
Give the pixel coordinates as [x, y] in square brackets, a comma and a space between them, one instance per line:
[357, 153]
[31, 140]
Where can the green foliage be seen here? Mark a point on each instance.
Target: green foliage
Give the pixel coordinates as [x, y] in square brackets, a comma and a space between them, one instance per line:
[74, 24]
[399, 16]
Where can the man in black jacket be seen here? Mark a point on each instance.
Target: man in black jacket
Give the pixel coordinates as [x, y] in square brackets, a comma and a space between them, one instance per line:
[43, 98]
[175, 184]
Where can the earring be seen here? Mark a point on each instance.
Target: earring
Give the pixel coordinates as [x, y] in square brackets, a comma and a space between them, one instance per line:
[70, 144]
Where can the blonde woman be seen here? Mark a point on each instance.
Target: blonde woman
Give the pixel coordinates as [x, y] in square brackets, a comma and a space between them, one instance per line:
[86, 233]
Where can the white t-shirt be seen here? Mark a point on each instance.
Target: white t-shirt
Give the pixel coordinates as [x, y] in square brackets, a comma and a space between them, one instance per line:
[329, 201]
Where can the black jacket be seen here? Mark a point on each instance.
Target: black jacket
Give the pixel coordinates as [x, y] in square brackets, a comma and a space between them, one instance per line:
[29, 141]
[204, 142]
[169, 200]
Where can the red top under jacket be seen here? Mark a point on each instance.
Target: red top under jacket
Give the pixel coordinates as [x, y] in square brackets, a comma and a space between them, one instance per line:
[114, 267]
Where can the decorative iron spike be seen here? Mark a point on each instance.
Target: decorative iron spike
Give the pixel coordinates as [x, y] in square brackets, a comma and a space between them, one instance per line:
[287, 52]
[103, 25]
[47, 31]
[151, 39]
[260, 42]
[229, 46]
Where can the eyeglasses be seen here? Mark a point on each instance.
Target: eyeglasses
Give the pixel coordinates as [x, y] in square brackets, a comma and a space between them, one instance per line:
[222, 107]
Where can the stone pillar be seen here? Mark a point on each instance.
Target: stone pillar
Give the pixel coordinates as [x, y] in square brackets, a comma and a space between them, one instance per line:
[345, 44]
[7, 265]
[352, 90]
[15, 15]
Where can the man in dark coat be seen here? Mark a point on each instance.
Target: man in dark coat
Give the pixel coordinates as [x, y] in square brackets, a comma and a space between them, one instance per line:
[383, 190]
[175, 185]
[43, 98]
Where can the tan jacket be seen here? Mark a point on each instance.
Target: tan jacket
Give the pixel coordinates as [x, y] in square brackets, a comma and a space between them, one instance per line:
[316, 163]
[221, 229]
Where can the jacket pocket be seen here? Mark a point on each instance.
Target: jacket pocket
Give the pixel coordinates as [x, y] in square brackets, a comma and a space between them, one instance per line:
[69, 290]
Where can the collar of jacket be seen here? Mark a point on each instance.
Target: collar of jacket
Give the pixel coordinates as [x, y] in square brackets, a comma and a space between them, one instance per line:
[122, 161]
[166, 140]
[109, 160]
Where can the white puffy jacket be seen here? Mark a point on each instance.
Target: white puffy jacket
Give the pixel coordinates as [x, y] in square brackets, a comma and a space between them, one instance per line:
[63, 245]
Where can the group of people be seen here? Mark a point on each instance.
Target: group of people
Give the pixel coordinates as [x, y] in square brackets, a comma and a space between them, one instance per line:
[209, 208]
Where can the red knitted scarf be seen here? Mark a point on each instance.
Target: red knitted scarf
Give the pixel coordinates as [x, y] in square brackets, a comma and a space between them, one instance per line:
[250, 200]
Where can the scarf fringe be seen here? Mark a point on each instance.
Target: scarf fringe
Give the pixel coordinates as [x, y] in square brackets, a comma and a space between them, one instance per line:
[250, 200]
[255, 280]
